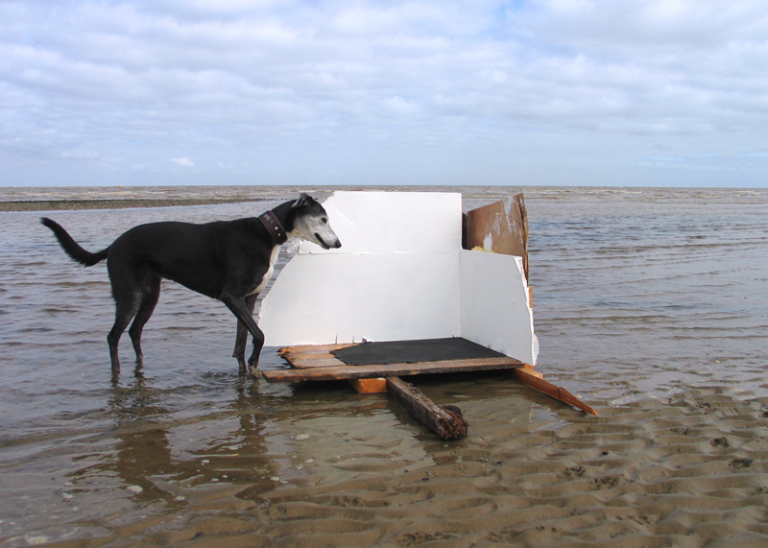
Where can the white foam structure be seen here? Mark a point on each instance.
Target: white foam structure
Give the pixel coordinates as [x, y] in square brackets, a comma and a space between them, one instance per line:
[400, 274]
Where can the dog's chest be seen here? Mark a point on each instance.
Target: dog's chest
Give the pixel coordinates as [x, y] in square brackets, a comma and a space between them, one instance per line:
[261, 284]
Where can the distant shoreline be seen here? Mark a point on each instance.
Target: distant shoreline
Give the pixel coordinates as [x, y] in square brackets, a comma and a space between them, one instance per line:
[53, 205]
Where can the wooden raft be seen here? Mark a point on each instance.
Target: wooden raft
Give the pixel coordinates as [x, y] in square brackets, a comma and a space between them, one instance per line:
[505, 225]
[318, 363]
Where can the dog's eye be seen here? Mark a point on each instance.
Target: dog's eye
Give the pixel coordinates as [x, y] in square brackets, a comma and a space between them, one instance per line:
[325, 220]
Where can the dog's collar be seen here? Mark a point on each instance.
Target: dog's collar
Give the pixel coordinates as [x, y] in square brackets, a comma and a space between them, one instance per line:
[273, 226]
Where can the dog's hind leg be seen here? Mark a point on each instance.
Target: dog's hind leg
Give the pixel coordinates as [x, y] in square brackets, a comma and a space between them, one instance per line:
[127, 291]
[150, 296]
[240, 309]
[125, 310]
[242, 335]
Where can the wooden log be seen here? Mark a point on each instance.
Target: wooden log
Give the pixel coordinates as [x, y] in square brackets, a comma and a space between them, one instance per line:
[369, 386]
[551, 390]
[389, 370]
[445, 421]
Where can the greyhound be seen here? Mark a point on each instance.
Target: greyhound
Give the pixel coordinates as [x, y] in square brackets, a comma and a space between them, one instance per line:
[227, 260]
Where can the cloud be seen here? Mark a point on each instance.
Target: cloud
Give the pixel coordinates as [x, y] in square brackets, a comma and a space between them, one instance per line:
[298, 83]
[184, 162]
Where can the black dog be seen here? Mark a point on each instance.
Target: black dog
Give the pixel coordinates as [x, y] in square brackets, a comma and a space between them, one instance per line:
[227, 260]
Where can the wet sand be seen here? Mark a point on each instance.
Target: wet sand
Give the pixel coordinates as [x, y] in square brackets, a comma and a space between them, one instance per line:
[690, 471]
[185, 453]
[64, 205]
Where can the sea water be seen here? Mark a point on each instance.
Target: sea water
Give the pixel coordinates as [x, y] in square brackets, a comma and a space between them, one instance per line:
[638, 293]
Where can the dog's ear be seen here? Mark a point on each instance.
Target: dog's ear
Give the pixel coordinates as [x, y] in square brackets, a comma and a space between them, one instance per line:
[303, 201]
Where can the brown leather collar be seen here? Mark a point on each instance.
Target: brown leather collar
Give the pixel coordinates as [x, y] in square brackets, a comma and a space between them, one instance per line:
[273, 226]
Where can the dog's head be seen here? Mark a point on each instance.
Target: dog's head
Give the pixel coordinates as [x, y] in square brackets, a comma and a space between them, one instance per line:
[307, 220]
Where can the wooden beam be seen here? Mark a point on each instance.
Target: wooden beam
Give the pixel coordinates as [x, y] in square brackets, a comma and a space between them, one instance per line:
[561, 394]
[389, 370]
[445, 421]
[369, 386]
[528, 368]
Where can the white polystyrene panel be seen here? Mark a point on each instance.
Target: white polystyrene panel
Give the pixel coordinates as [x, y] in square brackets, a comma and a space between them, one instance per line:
[400, 275]
[393, 222]
[494, 304]
[327, 298]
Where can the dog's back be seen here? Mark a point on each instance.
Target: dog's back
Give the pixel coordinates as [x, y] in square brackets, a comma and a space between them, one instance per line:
[198, 256]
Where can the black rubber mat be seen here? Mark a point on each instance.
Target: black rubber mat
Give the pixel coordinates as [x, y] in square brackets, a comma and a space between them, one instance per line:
[426, 350]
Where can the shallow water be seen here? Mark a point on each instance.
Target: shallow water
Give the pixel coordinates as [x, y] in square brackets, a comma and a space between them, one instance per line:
[638, 293]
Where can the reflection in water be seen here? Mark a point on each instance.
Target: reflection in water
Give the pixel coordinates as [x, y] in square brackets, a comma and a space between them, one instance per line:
[141, 452]
[155, 461]
[252, 443]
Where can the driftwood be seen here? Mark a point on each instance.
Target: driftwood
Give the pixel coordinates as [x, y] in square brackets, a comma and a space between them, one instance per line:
[445, 421]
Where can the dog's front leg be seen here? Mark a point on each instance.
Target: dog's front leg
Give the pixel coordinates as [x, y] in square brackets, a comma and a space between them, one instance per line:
[240, 309]
[240, 340]
[242, 337]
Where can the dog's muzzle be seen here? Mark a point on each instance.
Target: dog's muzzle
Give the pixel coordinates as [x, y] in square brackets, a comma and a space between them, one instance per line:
[336, 244]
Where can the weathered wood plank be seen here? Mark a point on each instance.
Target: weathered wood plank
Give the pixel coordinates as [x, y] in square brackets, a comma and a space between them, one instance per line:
[308, 356]
[503, 225]
[313, 348]
[551, 390]
[445, 421]
[307, 363]
[390, 370]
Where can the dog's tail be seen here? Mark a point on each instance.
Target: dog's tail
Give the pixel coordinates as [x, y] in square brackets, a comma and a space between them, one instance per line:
[72, 248]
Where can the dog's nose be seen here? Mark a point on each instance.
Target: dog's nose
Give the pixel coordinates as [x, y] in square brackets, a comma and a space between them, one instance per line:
[337, 244]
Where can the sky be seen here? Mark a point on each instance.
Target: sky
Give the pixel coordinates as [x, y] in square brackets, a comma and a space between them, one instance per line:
[360, 92]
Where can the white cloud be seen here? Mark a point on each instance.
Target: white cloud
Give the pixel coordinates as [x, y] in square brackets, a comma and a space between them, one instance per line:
[301, 89]
[184, 162]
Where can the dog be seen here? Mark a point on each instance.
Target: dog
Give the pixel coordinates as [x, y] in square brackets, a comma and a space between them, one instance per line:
[227, 260]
